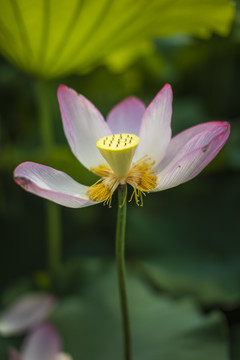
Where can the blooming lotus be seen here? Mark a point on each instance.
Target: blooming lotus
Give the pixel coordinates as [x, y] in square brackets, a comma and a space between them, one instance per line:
[133, 146]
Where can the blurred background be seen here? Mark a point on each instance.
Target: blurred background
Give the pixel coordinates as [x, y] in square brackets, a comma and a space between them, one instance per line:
[182, 247]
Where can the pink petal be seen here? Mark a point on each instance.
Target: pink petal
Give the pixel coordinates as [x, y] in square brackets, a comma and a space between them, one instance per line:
[14, 355]
[43, 343]
[189, 140]
[25, 313]
[52, 184]
[83, 125]
[194, 155]
[126, 116]
[155, 130]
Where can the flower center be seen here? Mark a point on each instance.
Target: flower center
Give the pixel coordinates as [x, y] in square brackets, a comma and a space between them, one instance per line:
[140, 176]
[118, 150]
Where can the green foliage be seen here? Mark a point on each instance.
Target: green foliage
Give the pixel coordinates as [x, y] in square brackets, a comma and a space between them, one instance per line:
[90, 324]
[55, 38]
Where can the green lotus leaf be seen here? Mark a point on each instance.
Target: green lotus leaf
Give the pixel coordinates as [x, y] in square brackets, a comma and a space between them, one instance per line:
[162, 328]
[52, 38]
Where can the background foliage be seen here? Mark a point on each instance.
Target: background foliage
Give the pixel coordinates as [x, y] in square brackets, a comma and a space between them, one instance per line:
[183, 245]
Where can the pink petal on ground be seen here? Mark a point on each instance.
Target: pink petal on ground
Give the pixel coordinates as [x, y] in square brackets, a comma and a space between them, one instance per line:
[155, 130]
[193, 158]
[83, 125]
[43, 343]
[126, 116]
[26, 312]
[52, 184]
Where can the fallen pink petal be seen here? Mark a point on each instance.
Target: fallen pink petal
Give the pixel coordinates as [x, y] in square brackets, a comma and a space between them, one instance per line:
[25, 313]
[43, 343]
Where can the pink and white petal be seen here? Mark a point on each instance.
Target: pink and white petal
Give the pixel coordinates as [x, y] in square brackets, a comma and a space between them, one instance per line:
[52, 184]
[190, 139]
[14, 355]
[190, 165]
[43, 343]
[83, 126]
[126, 116]
[155, 129]
[25, 313]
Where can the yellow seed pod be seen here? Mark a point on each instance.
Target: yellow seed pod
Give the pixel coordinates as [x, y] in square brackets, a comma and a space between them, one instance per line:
[118, 150]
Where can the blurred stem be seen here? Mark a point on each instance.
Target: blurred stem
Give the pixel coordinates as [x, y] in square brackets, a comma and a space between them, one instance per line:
[43, 97]
[54, 236]
[120, 247]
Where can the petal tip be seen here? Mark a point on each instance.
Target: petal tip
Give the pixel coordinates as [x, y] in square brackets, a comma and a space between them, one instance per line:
[17, 174]
[227, 125]
[63, 89]
[223, 125]
[168, 88]
[165, 93]
[132, 98]
[227, 128]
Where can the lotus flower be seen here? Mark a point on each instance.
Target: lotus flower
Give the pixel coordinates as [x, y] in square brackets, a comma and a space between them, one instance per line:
[132, 146]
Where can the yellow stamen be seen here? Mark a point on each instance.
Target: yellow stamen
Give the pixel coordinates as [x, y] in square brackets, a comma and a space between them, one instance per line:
[103, 189]
[140, 176]
[118, 150]
[137, 194]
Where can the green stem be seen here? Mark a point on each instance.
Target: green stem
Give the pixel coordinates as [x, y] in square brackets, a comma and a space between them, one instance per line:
[120, 246]
[43, 93]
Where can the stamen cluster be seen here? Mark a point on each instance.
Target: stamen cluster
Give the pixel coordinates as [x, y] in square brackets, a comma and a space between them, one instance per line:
[140, 176]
